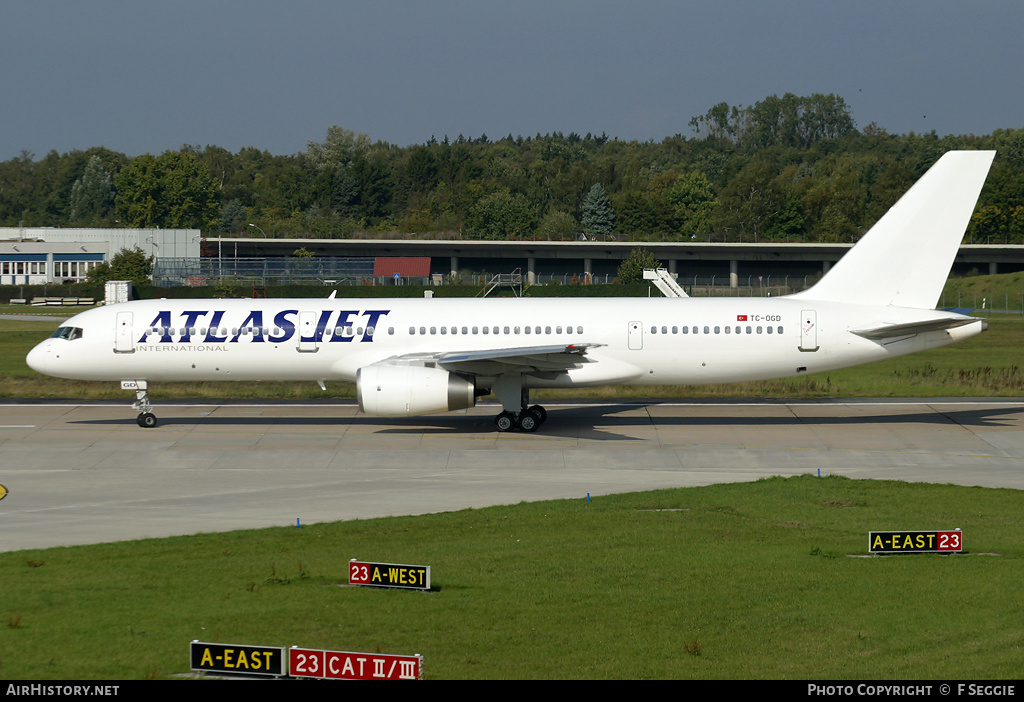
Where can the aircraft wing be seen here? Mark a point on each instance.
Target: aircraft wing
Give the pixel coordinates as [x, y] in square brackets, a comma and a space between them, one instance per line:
[889, 331]
[555, 358]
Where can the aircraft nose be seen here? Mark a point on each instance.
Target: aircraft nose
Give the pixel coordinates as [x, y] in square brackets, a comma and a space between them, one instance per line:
[41, 358]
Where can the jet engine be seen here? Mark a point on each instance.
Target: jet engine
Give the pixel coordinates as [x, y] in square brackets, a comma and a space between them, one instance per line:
[387, 390]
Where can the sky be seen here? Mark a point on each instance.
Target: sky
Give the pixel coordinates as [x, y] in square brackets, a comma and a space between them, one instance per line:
[139, 77]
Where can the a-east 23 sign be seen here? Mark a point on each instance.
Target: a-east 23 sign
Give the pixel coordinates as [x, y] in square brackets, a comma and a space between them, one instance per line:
[237, 659]
[414, 577]
[347, 665]
[915, 541]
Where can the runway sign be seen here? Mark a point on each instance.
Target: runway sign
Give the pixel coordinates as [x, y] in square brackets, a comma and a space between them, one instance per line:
[410, 577]
[915, 541]
[348, 665]
[237, 659]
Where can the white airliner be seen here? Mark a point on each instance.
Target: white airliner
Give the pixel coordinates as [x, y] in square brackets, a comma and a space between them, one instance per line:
[415, 356]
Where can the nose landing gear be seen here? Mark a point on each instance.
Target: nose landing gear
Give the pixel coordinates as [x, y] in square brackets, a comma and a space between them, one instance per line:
[142, 405]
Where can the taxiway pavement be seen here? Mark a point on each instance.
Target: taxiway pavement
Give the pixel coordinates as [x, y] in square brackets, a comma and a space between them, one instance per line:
[79, 474]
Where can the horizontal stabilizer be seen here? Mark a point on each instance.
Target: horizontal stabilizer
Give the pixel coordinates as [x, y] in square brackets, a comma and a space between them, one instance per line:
[890, 331]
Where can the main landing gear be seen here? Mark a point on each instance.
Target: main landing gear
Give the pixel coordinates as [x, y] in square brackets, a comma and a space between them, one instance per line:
[528, 420]
[515, 399]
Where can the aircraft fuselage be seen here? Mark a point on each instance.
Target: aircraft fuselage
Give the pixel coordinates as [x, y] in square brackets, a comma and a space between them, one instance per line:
[645, 341]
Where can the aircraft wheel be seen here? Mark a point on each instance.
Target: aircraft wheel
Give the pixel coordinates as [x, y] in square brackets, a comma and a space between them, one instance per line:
[529, 421]
[147, 420]
[505, 421]
[541, 412]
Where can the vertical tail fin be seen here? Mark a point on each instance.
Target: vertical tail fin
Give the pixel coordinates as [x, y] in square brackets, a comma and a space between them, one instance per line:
[905, 258]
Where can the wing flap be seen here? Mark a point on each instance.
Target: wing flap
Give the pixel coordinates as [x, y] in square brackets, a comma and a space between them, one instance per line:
[551, 358]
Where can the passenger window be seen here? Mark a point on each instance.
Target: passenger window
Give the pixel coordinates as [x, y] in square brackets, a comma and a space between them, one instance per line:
[718, 330]
[465, 330]
[444, 330]
[506, 330]
[526, 329]
[547, 330]
[707, 330]
[412, 331]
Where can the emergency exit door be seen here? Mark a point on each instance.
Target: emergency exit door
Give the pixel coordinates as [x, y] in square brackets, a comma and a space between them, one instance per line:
[808, 330]
[636, 335]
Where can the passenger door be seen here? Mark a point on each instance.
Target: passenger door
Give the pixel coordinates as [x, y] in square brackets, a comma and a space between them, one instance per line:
[124, 334]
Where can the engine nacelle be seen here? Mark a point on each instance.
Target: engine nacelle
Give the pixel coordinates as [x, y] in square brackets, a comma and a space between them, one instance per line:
[387, 390]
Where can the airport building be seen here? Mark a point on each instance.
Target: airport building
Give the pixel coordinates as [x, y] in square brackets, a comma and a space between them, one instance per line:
[42, 255]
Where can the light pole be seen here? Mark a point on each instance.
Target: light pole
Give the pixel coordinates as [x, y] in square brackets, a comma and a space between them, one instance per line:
[261, 231]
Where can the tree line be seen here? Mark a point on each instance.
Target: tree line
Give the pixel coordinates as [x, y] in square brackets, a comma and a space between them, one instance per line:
[787, 168]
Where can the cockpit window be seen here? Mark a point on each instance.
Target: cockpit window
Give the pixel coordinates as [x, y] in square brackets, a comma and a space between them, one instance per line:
[69, 333]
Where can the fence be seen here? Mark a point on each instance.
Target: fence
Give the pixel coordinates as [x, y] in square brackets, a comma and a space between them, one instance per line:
[998, 301]
[359, 271]
[262, 271]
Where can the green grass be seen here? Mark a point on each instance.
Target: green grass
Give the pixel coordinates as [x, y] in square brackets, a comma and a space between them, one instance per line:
[993, 292]
[729, 581]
